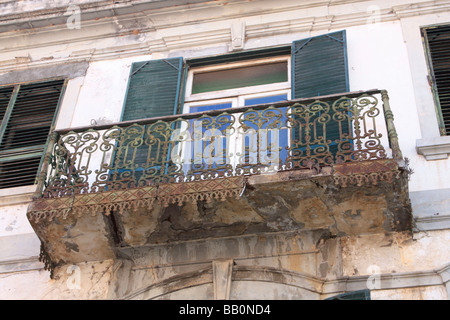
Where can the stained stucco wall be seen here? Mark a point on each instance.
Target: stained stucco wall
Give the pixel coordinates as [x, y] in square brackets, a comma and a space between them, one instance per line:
[387, 55]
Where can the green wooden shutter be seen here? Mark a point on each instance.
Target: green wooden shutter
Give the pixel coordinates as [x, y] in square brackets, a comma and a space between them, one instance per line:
[5, 96]
[353, 295]
[27, 119]
[153, 89]
[438, 40]
[319, 67]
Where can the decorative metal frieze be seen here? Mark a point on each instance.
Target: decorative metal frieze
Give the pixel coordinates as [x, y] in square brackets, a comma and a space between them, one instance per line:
[207, 155]
[129, 199]
[91, 203]
[366, 172]
[195, 191]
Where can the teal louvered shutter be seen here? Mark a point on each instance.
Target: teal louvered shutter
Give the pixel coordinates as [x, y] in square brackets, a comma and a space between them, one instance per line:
[437, 40]
[27, 113]
[353, 295]
[319, 67]
[154, 90]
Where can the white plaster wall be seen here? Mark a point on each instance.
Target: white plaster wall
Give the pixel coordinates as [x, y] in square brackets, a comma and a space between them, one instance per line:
[13, 220]
[69, 103]
[378, 58]
[72, 282]
[419, 293]
[17, 238]
[102, 92]
[391, 56]
[25, 285]
[395, 253]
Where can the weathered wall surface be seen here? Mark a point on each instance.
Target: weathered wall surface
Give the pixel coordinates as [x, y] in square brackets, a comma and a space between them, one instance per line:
[385, 51]
[419, 293]
[392, 253]
[83, 281]
[282, 266]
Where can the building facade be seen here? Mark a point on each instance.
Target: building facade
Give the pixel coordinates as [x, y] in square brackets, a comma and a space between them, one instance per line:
[235, 149]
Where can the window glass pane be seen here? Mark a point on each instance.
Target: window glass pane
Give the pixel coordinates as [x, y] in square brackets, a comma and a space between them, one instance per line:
[206, 151]
[263, 100]
[210, 107]
[240, 77]
[277, 136]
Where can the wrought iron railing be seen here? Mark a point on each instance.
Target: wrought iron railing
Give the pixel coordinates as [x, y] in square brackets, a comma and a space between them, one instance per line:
[298, 134]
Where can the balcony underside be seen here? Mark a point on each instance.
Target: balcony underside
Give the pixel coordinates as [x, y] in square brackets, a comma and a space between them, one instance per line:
[347, 199]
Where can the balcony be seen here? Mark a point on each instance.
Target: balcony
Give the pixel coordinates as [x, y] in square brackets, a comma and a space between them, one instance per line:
[330, 163]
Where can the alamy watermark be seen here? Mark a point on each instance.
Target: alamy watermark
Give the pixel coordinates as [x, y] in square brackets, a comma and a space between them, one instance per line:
[73, 282]
[210, 147]
[74, 20]
[374, 280]
[375, 14]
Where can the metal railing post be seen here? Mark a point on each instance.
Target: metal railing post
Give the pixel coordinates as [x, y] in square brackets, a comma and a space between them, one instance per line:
[392, 133]
[42, 175]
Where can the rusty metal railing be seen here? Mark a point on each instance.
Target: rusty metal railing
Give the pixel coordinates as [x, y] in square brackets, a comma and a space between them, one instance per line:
[297, 134]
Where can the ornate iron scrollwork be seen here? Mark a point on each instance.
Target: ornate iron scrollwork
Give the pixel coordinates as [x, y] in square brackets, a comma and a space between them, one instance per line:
[164, 156]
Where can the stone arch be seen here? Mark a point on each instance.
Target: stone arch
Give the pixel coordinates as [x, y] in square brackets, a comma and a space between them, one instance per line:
[162, 289]
[237, 282]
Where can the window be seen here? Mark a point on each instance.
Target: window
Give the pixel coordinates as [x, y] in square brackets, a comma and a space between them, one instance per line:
[437, 42]
[307, 68]
[238, 78]
[233, 85]
[27, 113]
[239, 75]
[153, 91]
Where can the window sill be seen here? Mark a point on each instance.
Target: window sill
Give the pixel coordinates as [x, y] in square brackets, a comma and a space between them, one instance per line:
[434, 148]
[17, 195]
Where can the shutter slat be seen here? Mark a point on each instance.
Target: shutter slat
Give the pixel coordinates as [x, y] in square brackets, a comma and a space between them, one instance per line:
[32, 115]
[5, 95]
[18, 173]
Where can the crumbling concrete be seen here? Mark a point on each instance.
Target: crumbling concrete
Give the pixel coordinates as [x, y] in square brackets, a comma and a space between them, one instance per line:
[267, 205]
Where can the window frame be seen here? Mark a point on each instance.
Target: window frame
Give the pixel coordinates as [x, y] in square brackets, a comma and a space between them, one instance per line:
[235, 96]
[198, 97]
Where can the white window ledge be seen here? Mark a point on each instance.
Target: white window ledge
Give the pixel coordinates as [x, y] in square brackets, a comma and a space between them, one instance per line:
[17, 195]
[434, 148]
